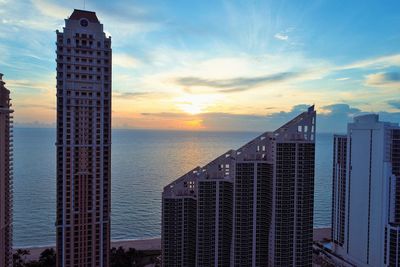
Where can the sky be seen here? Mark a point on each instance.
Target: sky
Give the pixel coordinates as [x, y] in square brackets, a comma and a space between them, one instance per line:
[220, 65]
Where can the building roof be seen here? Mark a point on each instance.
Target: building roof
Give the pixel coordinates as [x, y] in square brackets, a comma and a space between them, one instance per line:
[4, 94]
[84, 14]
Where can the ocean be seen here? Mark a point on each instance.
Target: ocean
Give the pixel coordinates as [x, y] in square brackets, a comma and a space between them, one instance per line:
[143, 162]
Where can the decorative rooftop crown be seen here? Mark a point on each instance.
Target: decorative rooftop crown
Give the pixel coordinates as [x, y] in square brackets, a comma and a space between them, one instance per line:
[84, 14]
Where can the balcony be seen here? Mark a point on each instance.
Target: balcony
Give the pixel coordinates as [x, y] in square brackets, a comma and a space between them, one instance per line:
[87, 46]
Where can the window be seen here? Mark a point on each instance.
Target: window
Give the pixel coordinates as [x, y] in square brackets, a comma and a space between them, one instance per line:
[84, 23]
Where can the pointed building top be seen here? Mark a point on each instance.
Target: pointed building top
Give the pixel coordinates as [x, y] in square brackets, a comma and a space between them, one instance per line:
[301, 127]
[84, 14]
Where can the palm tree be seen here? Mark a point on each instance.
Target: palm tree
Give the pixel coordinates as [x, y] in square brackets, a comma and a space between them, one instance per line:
[19, 257]
[48, 258]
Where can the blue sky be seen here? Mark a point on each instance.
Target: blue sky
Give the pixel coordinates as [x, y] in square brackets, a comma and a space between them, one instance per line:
[216, 65]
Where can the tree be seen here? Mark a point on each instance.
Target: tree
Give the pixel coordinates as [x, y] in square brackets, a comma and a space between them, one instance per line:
[48, 258]
[121, 258]
[19, 257]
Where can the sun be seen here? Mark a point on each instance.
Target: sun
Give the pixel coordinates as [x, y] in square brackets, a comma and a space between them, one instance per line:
[190, 108]
[194, 104]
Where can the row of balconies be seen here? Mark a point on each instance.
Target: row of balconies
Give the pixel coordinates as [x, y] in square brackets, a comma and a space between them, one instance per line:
[81, 55]
[83, 58]
[80, 105]
[84, 79]
[88, 123]
[82, 49]
[81, 67]
[88, 78]
[89, 61]
[84, 71]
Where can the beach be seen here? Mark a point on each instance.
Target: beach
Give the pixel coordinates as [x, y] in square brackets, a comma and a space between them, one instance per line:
[155, 243]
[142, 244]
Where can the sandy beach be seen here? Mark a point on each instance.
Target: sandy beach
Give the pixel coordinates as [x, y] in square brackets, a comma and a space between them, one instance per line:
[155, 243]
[143, 244]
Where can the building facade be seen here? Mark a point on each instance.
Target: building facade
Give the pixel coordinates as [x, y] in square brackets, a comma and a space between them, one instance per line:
[6, 174]
[366, 222]
[254, 205]
[83, 142]
[339, 188]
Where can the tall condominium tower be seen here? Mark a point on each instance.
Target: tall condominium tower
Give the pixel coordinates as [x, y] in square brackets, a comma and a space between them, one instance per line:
[339, 188]
[366, 190]
[83, 142]
[6, 171]
[249, 207]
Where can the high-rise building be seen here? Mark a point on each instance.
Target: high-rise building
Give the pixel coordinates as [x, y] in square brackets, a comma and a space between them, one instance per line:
[83, 142]
[366, 190]
[6, 172]
[339, 188]
[249, 207]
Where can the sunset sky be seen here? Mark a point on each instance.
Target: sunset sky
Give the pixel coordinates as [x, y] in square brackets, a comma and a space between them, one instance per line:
[216, 65]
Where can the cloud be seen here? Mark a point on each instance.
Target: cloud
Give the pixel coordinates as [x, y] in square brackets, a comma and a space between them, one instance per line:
[340, 108]
[50, 9]
[201, 73]
[34, 124]
[166, 114]
[34, 106]
[182, 63]
[131, 95]
[377, 63]
[335, 117]
[394, 103]
[216, 121]
[236, 84]
[125, 61]
[245, 72]
[279, 118]
[384, 79]
[331, 118]
[281, 36]
[125, 11]
[29, 84]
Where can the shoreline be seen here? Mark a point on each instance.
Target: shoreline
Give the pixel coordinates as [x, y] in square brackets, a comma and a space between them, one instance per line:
[319, 234]
[112, 241]
[138, 244]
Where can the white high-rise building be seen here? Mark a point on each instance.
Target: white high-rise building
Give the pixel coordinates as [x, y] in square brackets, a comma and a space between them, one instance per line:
[83, 142]
[366, 190]
[249, 207]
